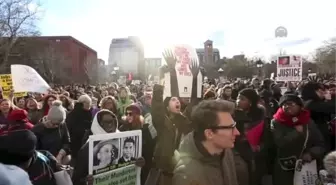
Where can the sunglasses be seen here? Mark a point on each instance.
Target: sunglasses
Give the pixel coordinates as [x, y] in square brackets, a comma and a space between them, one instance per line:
[224, 127]
[128, 113]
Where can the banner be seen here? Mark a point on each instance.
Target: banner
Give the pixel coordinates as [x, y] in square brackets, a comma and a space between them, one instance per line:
[185, 55]
[7, 86]
[112, 158]
[26, 79]
[289, 68]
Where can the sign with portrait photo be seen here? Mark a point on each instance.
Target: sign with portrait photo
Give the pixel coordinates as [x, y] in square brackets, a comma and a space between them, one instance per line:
[112, 158]
[289, 68]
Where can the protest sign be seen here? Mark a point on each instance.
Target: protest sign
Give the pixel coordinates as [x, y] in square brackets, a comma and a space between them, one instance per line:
[289, 68]
[305, 173]
[26, 79]
[7, 86]
[185, 55]
[112, 158]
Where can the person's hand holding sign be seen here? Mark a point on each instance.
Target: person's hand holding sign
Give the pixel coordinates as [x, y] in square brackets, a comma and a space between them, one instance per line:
[170, 59]
[194, 68]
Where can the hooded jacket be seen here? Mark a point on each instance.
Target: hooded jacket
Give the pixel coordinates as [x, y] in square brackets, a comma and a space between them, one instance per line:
[81, 170]
[199, 167]
[289, 144]
[123, 104]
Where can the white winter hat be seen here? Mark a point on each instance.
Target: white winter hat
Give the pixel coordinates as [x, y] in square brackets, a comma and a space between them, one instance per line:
[57, 113]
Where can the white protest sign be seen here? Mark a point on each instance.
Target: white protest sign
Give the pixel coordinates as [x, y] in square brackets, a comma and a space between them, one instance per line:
[305, 174]
[26, 79]
[112, 158]
[289, 68]
[184, 54]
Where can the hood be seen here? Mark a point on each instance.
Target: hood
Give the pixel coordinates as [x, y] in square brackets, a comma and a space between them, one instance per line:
[282, 118]
[189, 150]
[95, 126]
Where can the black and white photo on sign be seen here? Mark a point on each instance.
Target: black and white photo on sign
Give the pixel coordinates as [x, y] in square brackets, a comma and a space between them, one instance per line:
[129, 149]
[105, 153]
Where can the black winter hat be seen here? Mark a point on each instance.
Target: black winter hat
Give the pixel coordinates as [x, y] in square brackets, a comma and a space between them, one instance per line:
[290, 97]
[251, 95]
[17, 147]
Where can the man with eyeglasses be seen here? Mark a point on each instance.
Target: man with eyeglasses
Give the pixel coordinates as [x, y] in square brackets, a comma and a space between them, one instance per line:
[205, 156]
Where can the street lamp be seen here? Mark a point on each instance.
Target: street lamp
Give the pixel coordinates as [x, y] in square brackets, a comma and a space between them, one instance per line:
[259, 66]
[220, 72]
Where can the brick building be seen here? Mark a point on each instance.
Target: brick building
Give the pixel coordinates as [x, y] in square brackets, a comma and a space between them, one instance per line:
[71, 60]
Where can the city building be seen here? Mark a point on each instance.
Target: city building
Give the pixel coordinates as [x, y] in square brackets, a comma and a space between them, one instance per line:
[152, 66]
[102, 71]
[208, 54]
[62, 56]
[128, 55]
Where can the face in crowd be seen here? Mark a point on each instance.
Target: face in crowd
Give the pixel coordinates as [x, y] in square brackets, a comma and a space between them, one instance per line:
[224, 134]
[291, 108]
[174, 105]
[5, 106]
[108, 122]
[243, 103]
[129, 116]
[123, 93]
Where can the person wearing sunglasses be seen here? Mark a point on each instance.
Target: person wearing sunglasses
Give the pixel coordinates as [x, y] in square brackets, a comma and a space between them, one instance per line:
[205, 155]
[133, 119]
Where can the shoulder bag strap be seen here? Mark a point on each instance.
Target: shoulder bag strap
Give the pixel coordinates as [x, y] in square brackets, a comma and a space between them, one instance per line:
[305, 142]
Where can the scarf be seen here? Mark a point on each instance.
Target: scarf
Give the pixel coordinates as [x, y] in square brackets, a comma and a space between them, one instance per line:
[302, 119]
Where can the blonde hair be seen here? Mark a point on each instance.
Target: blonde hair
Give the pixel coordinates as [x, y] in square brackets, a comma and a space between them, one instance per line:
[84, 99]
[104, 100]
[329, 162]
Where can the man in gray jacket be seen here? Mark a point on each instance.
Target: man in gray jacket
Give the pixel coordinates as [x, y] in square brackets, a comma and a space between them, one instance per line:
[205, 156]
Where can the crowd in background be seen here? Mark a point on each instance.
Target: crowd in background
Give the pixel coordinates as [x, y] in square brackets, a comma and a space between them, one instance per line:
[41, 133]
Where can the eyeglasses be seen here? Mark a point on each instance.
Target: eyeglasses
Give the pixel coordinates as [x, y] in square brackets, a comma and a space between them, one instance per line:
[128, 113]
[224, 127]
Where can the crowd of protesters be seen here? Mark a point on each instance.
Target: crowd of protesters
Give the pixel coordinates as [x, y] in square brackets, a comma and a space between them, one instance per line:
[203, 141]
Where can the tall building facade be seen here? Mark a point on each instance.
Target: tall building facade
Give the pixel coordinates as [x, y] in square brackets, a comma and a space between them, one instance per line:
[70, 57]
[208, 54]
[152, 66]
[128, 55]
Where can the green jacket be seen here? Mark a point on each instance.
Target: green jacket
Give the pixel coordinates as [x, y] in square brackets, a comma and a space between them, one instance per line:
[169, 132]
[194, 168]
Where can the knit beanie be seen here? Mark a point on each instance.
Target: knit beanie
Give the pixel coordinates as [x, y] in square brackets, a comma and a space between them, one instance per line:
[57, 113]
[251, 95]
[135, 108]
[290, 97]
[18, 115]
[17, 147]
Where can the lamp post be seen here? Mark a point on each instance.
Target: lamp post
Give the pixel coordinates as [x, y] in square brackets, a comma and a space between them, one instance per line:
[220, 72]
[259, 66]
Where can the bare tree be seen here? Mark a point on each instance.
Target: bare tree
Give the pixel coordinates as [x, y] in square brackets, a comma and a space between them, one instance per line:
[325, 57]
[52, 64]
[17, 18]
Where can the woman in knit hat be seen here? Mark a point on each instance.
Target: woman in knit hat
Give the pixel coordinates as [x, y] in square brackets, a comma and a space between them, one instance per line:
[18, 120]
[52, 133]
[133, 119]
[250, 118]
[295, 137]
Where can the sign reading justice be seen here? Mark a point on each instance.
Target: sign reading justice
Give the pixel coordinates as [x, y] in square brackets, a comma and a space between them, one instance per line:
[289, 68]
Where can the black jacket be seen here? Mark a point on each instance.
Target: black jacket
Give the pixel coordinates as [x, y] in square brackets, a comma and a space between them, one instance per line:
[52, 139]
[78, 121]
